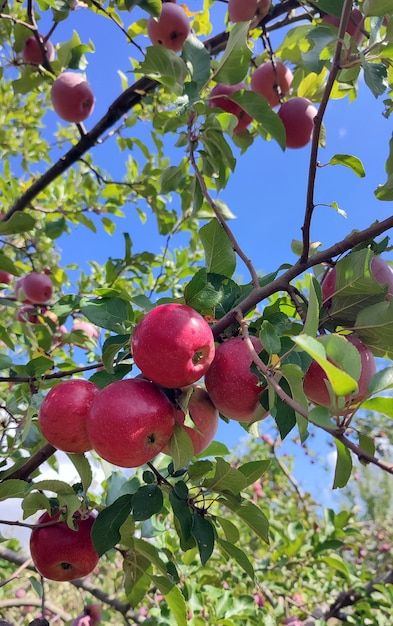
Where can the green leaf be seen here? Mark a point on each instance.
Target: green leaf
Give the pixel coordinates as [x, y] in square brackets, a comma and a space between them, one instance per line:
[200, 294]
[146, 549]
[250, 514]
[173, 597]
[166, 67]
[258, 107]
[219, 253]
[147, 501]
[38, 366]
[19, 222]
[367, 445]
[385, 192]
[7, 265]
[343, 465]
[203, 532]
[239, 556]
[269, 338]
[231, 531]
[374, 326]
[34, 502]
[107, 313]
[294, 377]
[198, 60]
[57, 486]
[350, 161]
[320, 416]
[333, 7]
[105, 532]
[225, 478]
[153, 7]
[183, 515]
[375, 77]
[111, 347]
[337, 563]
[170, 178]
[181, 447]
[83, 468]
[253, 470]
[13, 488]
[377, 7]
[342, 383]
[234, 63]
[5, 362]
[380, 404]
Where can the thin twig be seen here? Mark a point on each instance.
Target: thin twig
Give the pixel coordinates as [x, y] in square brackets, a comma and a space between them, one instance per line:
[317, 129]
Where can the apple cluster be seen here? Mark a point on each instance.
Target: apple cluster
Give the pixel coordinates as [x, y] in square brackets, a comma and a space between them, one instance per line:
[315, 383]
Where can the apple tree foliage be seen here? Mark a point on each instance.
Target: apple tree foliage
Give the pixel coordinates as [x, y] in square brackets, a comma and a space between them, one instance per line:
[218, 538]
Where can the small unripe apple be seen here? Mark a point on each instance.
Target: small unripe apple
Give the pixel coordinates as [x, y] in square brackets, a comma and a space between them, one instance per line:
[231, 385]
[173, 345]
[5, 277]
[63, 414]
[380, 269]
[171, 29]
[314, 382]
[32, 52]
[355, 25]
[60, 553]
[34, 288]
[72, 97]
[245, 10]
[130, 421]
[204, 416]
[267, 78]
[220, 97]
[297, 115]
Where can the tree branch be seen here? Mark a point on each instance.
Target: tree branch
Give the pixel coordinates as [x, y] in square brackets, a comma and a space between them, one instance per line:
[29, 601]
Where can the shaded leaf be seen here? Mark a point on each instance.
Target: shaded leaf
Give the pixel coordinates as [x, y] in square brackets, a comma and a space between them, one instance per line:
[343, 465]
[147, 501]
[105, 532]
[203, 532]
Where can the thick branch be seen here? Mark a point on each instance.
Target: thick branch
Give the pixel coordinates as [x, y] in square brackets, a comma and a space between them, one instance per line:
[24, 472]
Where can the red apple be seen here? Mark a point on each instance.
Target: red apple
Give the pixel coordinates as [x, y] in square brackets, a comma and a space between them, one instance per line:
[314, 382]
[220, 97]
[130, 422]
[380, 269]
[5, 277]
[173, 345]
[205, 418]
[297, 115]
[63, 414]
[232, 387]
[355, 25]
[267, 77]
[60, 553]
[89, 329]
[28, 313]
[72, 97]
[171, 29]
[34, 287]
[32, 52]
[245, 10]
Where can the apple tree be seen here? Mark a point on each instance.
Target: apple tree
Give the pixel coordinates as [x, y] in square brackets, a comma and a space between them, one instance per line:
[127, 369]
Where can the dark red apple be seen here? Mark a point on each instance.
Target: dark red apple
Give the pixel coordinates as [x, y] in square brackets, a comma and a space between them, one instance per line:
[267, 78]
[32, 52]
[173, 345]
[5, 277]
[205, 419]
[60, 553]
[72, 97]
[130, 422]
[220, 97]
[380, 269]
[245, 10]
[316, 389]
[297, 115]
[63, 414]
[171, 29]
[232, 387]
